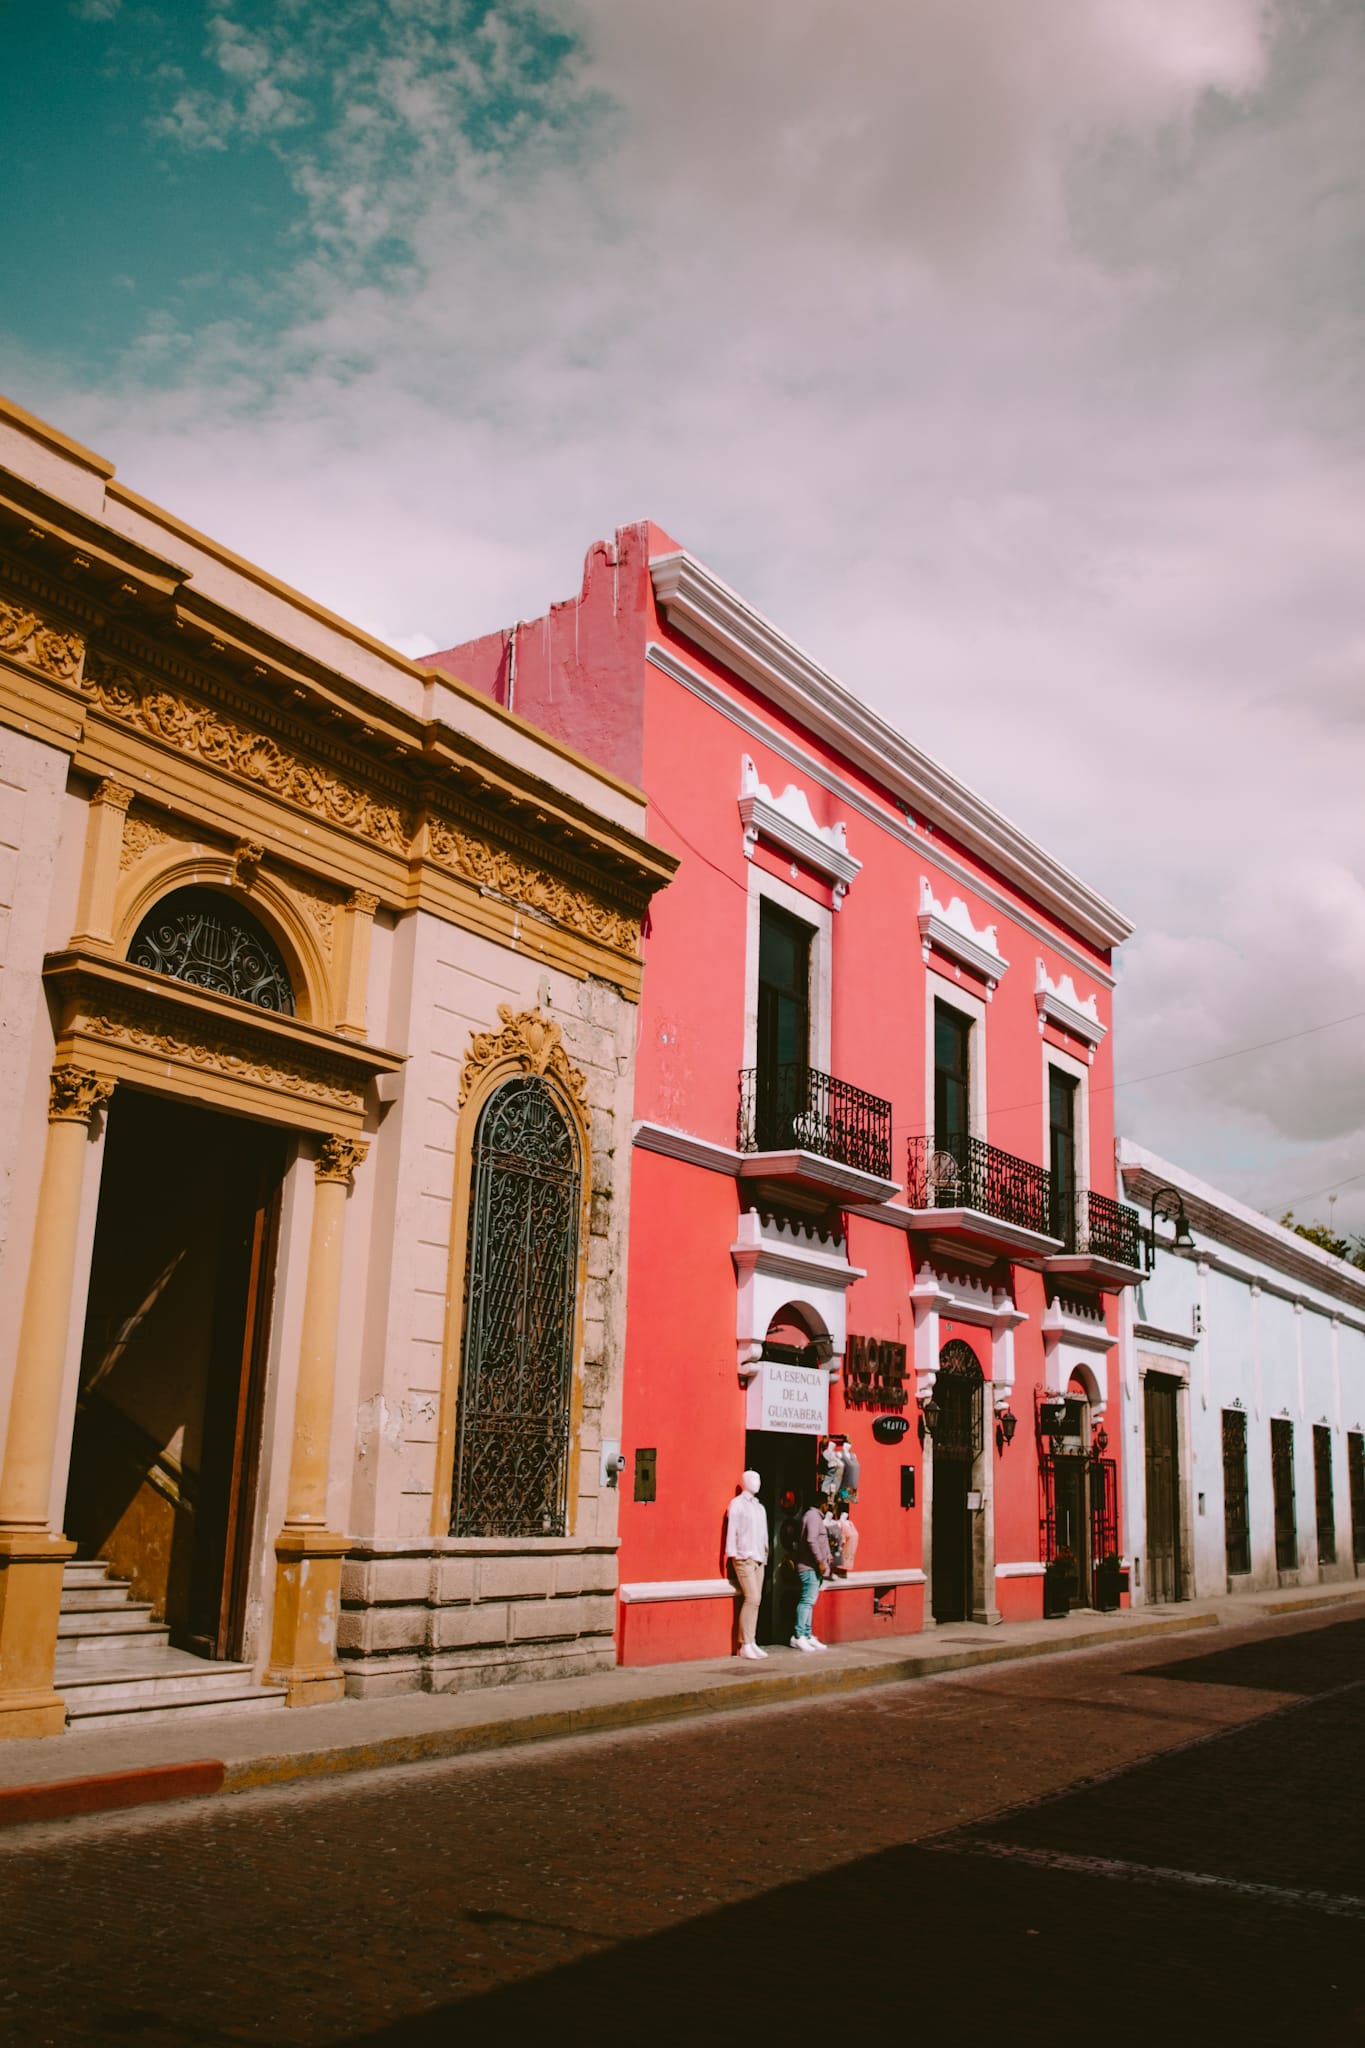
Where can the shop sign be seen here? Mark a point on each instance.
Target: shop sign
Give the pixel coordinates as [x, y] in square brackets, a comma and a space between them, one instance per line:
[874, 1373]
[889, 1429]
[792, 1399]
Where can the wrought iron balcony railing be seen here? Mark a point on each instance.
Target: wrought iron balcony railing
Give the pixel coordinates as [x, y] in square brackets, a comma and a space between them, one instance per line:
[967, 1173]
[1087, 1222]
[788, 1108]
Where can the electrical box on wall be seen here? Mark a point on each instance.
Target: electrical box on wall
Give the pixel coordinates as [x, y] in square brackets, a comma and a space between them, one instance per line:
[907, 1486]
[646, 1467]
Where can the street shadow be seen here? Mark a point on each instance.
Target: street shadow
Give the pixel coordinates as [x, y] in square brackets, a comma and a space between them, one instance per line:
[916, 1937]
[1312, 1661]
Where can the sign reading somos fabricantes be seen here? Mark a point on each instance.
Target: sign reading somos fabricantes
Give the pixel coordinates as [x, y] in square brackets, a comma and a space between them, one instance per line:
[789, 1398]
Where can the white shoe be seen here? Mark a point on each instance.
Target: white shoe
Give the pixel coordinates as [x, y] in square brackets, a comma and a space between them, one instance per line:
[758, 1652]
[816, 1644]
[750, 1650]
[802, 1643]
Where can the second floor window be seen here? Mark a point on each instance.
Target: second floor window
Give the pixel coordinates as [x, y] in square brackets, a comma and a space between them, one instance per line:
[1061, 1128]
[952, 1080]
[783, 992]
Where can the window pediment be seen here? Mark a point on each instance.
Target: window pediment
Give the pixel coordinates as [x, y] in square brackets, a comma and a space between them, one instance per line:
[787, 821]
[951, 932]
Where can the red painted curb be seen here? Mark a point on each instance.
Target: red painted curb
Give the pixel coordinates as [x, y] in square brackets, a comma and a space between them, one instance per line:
[67, 1796]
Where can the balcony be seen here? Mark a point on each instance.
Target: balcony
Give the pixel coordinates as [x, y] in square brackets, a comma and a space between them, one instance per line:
[812, 1139]
[1101, 1240]
[981, 1198]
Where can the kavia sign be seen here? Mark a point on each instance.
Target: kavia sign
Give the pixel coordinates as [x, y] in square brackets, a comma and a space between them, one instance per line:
[889, 1429]
[793, 1399]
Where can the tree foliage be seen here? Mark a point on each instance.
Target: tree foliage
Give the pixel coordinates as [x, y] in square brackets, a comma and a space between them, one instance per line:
[1351, 1249]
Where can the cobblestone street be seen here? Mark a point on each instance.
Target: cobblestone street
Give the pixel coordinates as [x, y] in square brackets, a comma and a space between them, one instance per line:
[924, 1852]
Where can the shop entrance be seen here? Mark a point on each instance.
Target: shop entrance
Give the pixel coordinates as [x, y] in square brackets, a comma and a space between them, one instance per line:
[787, 1467]
[958, 1437]
[168, 1423]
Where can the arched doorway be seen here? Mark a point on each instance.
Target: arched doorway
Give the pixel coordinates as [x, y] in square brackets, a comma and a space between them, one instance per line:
[958, 1442]
[787, 1464]
[170, 1399]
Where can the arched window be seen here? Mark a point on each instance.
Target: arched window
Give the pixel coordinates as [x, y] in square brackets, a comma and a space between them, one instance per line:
[516, 1377]
[206, 938]
[960, 1393]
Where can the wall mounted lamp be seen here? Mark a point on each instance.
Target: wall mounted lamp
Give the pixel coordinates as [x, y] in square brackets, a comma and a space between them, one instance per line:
[1101, 1440]
[1162, 1202]
[1006, 1422]
[928, 1418]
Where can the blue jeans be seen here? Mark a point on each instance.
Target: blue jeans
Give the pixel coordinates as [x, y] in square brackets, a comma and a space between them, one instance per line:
[810, 1593]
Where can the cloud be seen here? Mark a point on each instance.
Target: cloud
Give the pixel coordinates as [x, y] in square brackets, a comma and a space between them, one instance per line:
[1010, 358]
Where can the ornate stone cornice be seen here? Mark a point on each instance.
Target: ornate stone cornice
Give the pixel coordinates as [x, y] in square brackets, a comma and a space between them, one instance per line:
[528, 1039]
[28, 638]
[75, 1093]
[338, 1157]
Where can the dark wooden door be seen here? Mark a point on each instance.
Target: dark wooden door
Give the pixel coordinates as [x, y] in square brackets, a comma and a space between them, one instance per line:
[1322, 1486]
[952, 1538]
[1163, 1489]
[1061, 1134]
[1282, 1482]
[1236, 1504]
[1355, 1468]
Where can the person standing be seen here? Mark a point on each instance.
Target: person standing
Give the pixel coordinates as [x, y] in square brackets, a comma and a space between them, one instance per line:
[813, 1566]
[746, 1551]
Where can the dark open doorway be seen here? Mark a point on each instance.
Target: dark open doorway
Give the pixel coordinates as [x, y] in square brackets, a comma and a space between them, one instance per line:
[786, 1464]
[168, 1425]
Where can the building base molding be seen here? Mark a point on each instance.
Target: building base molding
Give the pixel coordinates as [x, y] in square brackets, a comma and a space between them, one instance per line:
[303, 1656]
[449, 1614]
[30, 1602]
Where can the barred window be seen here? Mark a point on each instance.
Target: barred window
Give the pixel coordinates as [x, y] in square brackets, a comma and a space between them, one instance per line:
[516, 1378]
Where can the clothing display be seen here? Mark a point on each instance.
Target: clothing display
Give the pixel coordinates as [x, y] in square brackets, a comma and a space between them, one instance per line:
[748, 1573]
[746, 1528]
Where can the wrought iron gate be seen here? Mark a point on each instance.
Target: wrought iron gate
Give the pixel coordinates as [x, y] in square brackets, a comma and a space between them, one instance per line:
[516, 1379]
[1236, 1507]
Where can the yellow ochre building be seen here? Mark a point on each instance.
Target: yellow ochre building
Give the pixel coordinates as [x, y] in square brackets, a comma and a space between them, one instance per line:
[318, 988]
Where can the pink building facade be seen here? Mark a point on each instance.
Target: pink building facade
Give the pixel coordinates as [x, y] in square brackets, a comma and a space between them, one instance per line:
[872, 1190]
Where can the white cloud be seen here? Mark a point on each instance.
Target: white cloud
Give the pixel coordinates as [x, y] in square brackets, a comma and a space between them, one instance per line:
[1008, 357]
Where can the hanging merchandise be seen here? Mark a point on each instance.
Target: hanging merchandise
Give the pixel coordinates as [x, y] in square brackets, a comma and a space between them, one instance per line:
[848, 1489]
[832, 1476]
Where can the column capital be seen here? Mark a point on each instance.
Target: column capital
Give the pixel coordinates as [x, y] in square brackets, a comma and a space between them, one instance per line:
[338, 1157]
[117, 795]
[361, 900]
[75, 1093]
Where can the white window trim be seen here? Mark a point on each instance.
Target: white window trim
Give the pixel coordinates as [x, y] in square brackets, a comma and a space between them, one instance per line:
[1078, 1071]
[940, 987]
[764, 887]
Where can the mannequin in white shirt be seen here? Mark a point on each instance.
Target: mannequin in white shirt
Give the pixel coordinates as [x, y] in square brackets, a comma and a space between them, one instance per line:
[746, 1553]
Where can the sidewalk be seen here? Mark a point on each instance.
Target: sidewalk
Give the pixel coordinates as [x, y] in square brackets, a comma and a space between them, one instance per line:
[105, 1769]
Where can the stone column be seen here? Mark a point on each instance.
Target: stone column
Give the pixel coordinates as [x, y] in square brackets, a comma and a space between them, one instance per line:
[353, 966]
[308, 1554]
[31, 1557]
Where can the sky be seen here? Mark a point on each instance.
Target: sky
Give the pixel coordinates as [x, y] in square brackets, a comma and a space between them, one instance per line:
[1009, 354]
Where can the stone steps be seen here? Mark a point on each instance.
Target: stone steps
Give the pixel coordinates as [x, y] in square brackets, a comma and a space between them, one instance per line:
[116, 1667]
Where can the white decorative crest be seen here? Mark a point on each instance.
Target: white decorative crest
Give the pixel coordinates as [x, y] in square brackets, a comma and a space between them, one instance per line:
[1059, 1004]
[789, 822]
[952, 932]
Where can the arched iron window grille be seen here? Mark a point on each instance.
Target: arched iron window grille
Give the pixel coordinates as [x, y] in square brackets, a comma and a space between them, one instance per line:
[516, 1378]
[206, 938]
[960, 1393]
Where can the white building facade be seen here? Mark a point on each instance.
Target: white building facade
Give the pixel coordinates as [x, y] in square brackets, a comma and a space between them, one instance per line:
[1243, 1400]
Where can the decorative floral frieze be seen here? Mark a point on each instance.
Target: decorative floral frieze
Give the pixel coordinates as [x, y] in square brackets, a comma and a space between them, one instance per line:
[221, 1056]
[217, 741]
[505, 873]
[27, 637]
[530, 1040]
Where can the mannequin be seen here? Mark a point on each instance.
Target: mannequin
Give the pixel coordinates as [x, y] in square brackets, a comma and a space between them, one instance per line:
[746, 1552]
